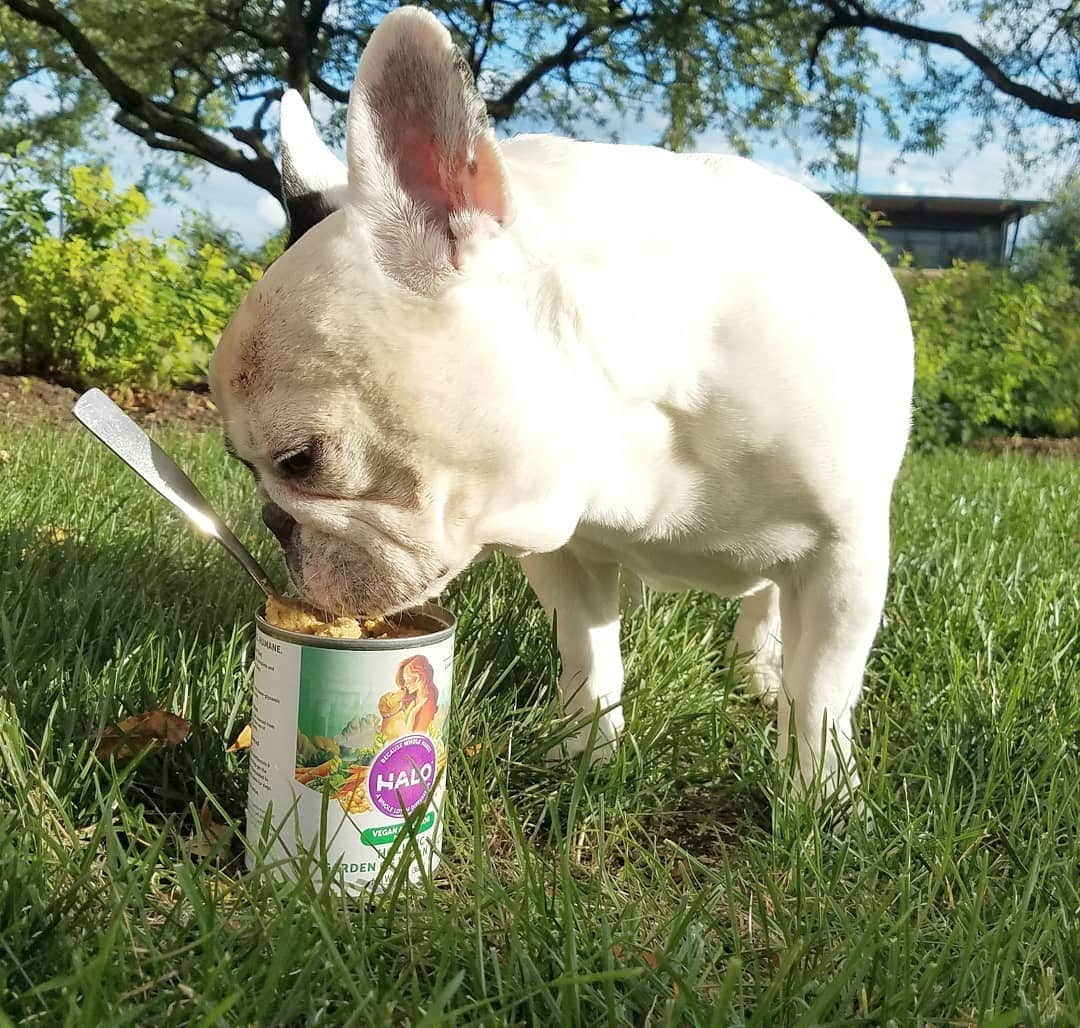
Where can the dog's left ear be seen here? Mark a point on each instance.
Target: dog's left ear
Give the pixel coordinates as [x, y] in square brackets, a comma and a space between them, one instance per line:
[313, 180]
[419, 131]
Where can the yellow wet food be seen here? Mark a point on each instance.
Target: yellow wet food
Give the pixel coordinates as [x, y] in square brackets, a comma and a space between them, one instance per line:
[294, 616]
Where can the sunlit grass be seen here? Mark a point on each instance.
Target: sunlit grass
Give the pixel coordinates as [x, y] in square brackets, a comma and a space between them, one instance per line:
[655, 890]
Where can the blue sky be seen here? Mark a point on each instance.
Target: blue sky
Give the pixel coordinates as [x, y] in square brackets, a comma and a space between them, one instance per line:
[960, 169]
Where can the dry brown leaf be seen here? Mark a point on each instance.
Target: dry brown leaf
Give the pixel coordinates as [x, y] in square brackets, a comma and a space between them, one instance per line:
[650, 959]
[209, 834]
[617, 951]
[242, 741]
[135, 733]
[473, 750]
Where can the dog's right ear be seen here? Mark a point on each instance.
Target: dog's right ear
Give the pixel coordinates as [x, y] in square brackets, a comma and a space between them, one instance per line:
[313, 180]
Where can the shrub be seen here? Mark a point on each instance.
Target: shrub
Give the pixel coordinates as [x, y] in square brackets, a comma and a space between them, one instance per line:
[1056, 239]
[101, 305]
[24, 215]
[995, 352]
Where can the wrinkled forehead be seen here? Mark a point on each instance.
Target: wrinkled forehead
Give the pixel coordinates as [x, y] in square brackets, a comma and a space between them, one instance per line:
[257, 372]
[298, 301]
[282, 374]
[272, 336]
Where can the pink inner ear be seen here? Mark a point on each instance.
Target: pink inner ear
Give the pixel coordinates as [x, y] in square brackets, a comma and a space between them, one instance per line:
[484, 183]
[419, 170]
[450, 183]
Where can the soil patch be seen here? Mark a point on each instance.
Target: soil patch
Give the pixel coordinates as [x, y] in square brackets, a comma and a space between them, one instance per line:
[1037, 446]
[27, 400]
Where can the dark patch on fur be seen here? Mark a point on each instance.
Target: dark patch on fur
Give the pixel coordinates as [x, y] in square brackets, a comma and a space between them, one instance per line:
[249, 366]
[305, 212]
[305, 207]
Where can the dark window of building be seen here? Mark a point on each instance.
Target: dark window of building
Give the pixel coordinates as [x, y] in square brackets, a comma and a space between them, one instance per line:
[939, 247]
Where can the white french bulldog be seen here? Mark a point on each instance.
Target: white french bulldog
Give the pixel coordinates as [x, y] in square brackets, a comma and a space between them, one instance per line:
[590, 356]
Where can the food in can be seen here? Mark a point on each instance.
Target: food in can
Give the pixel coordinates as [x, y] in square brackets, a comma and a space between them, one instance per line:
[297, 616]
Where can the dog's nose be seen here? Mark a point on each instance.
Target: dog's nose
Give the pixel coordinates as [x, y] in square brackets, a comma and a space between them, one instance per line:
[280, 523]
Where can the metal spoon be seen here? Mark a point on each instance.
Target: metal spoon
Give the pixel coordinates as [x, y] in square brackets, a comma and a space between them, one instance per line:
[155, 467]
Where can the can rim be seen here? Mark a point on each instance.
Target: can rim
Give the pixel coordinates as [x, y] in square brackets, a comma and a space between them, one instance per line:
[319, 642]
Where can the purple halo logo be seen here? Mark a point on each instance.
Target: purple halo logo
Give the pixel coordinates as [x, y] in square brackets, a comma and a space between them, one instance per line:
[401, 775]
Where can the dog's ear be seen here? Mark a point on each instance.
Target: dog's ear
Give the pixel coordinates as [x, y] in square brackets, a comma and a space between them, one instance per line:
[419, 136]
[313, 180]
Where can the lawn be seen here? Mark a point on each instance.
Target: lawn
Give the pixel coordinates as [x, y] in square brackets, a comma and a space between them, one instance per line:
[660, 889]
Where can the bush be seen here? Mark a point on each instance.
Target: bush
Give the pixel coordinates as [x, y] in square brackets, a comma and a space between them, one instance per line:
[100, 305]
[1056, 240]
[995, 353]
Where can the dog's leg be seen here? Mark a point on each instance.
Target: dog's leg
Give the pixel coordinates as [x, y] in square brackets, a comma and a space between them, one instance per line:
[757, 641]
[830, 610]
[583, 600]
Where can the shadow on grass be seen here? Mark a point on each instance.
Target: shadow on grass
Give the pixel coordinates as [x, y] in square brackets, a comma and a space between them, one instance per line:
[93, 631]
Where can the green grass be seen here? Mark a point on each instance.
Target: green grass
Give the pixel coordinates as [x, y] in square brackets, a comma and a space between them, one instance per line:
[659, 889]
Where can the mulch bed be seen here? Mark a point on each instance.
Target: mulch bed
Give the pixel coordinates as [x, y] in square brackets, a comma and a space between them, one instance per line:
[34, 400]
[1035, 447]
[25, 400]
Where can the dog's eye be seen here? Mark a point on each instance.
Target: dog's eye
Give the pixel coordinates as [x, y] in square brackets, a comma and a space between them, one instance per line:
[296, 464]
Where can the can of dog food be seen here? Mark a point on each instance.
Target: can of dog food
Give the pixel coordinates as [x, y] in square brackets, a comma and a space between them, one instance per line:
[348, 750]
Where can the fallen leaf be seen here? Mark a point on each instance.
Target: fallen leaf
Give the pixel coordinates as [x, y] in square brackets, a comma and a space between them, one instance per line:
[650, 959]
[242, 741]
[473, 750]
[47, 535]
[209, 834]
[5, 456]
[135, 733]
[617, 951]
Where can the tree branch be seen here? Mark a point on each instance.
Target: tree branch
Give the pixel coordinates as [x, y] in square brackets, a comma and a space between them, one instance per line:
[855, 16]
[232, 22]
[252, 137]
[331, 92]
[476, 56]
[151, 138]
[563, 59]
[166, 127]
[314, 16]
[503, 107]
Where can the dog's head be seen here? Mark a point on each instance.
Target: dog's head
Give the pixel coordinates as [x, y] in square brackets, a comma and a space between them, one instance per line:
[385, 380]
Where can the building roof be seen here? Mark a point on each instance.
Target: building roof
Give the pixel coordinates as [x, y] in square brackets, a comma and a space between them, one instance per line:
[971, 205]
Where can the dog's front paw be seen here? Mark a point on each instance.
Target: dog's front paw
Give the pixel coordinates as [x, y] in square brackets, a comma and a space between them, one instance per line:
[763, 681]
[598, 735]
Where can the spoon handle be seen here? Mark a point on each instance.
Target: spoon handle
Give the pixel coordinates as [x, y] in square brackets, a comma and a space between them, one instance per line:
[95, 411]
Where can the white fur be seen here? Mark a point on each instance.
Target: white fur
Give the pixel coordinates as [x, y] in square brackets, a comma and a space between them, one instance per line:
[684, 365]
[314, 162]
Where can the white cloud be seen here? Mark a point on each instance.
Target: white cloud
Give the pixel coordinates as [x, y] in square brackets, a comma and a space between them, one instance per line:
[270, 211]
